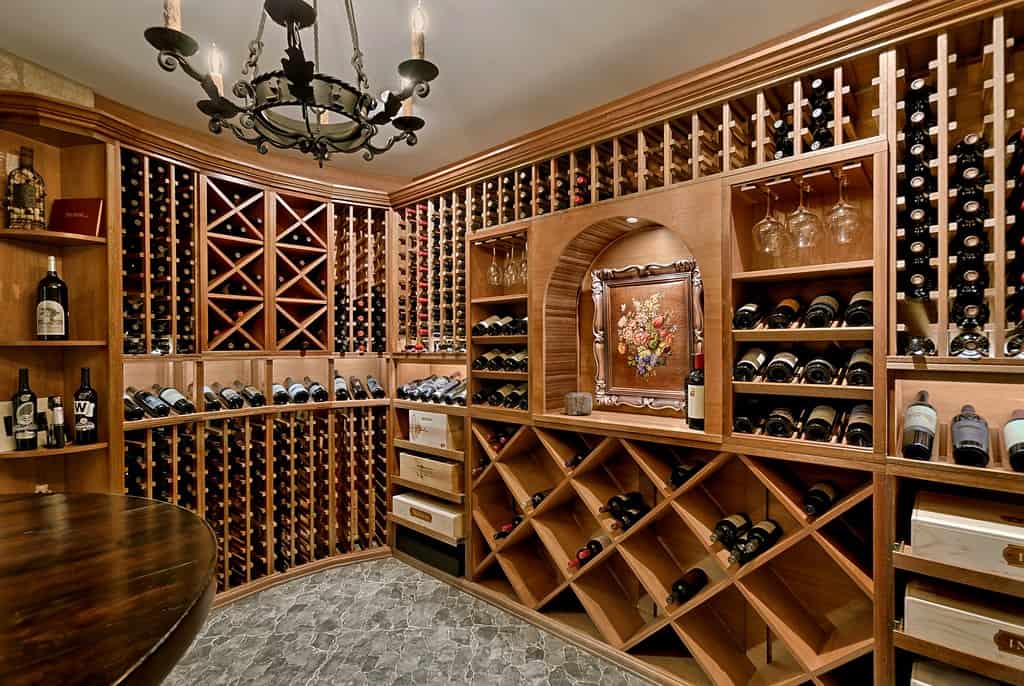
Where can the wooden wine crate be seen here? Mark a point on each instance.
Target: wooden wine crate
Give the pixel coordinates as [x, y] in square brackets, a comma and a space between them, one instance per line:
[930, 673]
[442, 518]
[446, 476]
[436, 429]
[967, 532]
[989, 628]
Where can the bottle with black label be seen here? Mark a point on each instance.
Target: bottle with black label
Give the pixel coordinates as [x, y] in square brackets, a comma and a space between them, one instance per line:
[56, 432]
[374, 387]
[747, 316]
[728, 529]
[341, 391]
[154, 406]
[819, 423]
[824, 367]
[820, 498]
[231, 398]
[969, 435]
[695, 394]
[250, 393]
[822, 311]
[780, 422]
[173, 397]
[749, 366]
[23, 404]
[920, 423]
[211, 401]
[52, 305]
[86, 401]
[782, 368]
[860, 369]
[784, 313]
[760, 538]
[1013, 440]
[687, 586]
[860, 426]
[132, 410]
[859, 311]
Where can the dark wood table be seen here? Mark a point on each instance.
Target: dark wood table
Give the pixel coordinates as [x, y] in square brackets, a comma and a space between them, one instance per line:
[99, 589]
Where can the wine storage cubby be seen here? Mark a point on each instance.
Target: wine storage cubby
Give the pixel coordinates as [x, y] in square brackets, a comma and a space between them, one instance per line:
[361, 293]
[302, 253]
[432, 265]
[361, 478]
[158, 255]
[542, 536]
[804, 328]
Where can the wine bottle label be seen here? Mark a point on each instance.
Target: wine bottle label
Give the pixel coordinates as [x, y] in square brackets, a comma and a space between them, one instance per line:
[749, 307]
[861, 356]
[790, 303]
[737, 520]
[826, 300]
[861, 296]
[85, 414]
[825, 413]
[296, 388]
[785, 357]
[755, 356]
[861, 414]
[969, 430]
[25, 419]
[826, 488]
[695, 401]
[1013, 433]
[768, 526]
[171, 395]
[784, 413]
[50, 319]
[921, 418]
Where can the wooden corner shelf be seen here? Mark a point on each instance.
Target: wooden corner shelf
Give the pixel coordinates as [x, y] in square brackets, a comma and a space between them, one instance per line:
[52, 452]
[49, 237]
[54, 344]
[446, 453]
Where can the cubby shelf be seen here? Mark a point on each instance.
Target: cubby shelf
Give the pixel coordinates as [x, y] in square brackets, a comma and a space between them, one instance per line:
[814, 271]
[800, 334]
[965, 661]
[804, 390]
[448, 454]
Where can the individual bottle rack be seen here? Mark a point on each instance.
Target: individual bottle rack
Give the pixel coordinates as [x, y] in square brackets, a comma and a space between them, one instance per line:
[361, 311]
[158, 268]
[537, 501]
[361, 480]
[302, 298]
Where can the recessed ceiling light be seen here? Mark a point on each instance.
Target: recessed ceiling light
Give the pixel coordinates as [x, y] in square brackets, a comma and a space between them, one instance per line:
[632, 220]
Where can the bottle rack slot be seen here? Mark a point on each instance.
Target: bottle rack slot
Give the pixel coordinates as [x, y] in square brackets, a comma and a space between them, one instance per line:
[361, 277]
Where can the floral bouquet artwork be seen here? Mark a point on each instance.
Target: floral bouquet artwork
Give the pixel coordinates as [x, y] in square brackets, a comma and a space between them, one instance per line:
[645, 334]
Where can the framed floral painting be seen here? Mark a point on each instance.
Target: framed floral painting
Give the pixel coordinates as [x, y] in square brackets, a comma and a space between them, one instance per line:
[647, 320]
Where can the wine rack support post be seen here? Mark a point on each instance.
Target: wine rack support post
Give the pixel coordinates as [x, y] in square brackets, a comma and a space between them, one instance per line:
[798, 116]
[942, 78]
[889, 122]
[838, 114]
[726, 137]
[146, 240]
[999, 178]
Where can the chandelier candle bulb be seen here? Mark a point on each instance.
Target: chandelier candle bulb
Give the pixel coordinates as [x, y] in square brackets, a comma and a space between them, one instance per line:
[172, 14]
[217, 68]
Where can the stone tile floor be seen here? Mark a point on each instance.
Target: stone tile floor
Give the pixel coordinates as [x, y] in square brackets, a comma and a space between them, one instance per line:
[380, 623]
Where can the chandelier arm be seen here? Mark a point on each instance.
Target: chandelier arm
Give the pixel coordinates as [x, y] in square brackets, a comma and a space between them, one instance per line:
[170, 60]
[357, 54]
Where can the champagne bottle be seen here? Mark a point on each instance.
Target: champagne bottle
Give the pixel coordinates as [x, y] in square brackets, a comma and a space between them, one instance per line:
[860, 426]
[969, 435]
[23, 402]
[727, 530]
[687, 586]
[1013, 440]
[920, 423]
[86, 406]
[695, 394]
[749, 366]
[820, 423]
[820, 498]
[154, 406]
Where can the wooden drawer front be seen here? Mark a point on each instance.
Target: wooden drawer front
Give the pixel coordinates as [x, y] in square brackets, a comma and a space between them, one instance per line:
[969, 533]
[930, 673]
[446, 476]
[436, 515]
[436, 429]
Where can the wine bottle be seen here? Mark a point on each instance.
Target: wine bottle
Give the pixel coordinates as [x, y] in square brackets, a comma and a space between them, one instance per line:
[618, 503]
[747, 316]
[860, 369]
[860, 426]
[820, 498]
[919, 144]
[173, 397]
[780, 422]
[695, 394]
[537, 498]
[591, 549]
[782, 368]
[52, 305]
[859, 311]
[822, 311]
[1013, 440]
[683, 472]
[341, 391]
[823, 368]
[745, 418]
[920, 422]
[483, 361]
[820, 422]
[356, 388]
[86, 401]
[211, 401]
[919, 278]
[250, 393]
[505, 530]
[784, 313]
[687, 586]
[729, 529]
[970, 344]
[23, 404]
[297, 392]
[153, 405]
[56, 431]
[969, 436]
[132, 410]
[749, 366]
[969, 314]
[316, 390]
[629, 518]
[759, 538]
[231, 398]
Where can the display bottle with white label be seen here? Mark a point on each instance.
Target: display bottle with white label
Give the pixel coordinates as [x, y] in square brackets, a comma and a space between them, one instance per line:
[780, 422]
[859, 311]
[819, 424]
[747, 316]
[822, 311]
[860, 426]
[969, 435]
[695, 394]
[86, 402]
[920, 423]
[749, 366]
[1013, 440]
[24, 407]
[782, 368]
[784, 314]
[52, 305]
[173, 397]
[860, 369]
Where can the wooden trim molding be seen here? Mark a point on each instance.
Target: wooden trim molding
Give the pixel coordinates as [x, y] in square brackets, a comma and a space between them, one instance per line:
[112, 122]
[809, 48]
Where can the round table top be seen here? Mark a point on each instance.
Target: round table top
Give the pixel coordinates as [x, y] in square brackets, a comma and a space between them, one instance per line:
[99, 589]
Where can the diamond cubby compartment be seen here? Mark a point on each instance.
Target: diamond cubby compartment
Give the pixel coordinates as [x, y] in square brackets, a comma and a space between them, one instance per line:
[236, 266]
[301, 293]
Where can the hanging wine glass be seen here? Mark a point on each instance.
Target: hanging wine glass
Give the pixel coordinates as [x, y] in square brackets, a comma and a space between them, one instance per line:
[494, 271]
[770, 236]
[524, 268]
[805, 227]
[843, 220]
[511, 272]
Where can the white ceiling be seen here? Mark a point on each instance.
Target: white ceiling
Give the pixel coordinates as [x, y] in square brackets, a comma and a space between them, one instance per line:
[507, 68]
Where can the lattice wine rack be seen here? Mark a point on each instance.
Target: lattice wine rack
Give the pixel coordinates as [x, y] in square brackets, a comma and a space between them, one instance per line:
[302, 255]
[158, 238]
[801, 611]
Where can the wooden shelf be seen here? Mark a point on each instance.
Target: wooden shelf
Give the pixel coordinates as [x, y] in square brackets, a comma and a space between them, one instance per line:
[48, 237]
[429, 490]
[54, 344]
[501, 340]
[501, 414]
[801, 334]
[903, 558]
[947, 471]
[500, 299]
[637, 426]
[970, 663]
[52, 452]
[446, 453]
[499, 376]
[996, 366]
[409, 524]
[455, 410]
[152, 422]
[804, 390]
[756, 443]
[812, 271]
[430, 358]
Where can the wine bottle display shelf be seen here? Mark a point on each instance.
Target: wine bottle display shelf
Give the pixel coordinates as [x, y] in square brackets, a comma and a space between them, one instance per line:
[52, 452]
[48, 237]
[619, 595]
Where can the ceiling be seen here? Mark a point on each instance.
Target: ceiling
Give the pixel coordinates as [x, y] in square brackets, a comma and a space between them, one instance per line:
[507, 68]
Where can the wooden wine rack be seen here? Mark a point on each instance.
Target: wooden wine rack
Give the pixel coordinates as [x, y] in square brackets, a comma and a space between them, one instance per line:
[302, 298]
[793, 632]
[361, 238]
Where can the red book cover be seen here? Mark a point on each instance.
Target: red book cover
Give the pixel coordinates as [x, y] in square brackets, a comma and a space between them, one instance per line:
[77, 215]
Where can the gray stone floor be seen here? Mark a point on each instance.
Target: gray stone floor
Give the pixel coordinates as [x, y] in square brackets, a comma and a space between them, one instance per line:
[377, 623]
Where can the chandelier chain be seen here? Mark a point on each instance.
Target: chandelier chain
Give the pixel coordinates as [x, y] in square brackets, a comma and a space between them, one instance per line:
[256, 46]
[357, 54]
[316, 35]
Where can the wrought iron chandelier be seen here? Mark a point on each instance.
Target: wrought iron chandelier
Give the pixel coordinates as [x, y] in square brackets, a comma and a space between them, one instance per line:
[291, 108]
